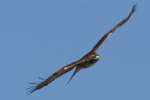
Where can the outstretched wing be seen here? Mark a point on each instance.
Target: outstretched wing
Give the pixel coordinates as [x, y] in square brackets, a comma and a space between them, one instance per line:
[54, 76]
[122, 22]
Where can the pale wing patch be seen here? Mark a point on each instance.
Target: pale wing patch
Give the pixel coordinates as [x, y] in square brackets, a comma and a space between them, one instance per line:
[65, 68]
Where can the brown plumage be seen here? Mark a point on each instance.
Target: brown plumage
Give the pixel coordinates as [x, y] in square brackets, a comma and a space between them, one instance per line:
[86, 61]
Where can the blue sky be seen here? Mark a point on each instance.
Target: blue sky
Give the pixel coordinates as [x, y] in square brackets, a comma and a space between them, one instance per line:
[37, 37]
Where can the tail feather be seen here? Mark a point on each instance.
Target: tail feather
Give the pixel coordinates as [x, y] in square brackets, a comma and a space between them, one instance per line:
[77, 69]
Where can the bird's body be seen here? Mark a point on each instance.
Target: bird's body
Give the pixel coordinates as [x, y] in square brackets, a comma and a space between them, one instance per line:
[89, 60]
[86, 61]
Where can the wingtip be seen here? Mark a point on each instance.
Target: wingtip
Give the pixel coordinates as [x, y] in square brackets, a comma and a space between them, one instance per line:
[134, 7]
[132, 11]
[31, 89]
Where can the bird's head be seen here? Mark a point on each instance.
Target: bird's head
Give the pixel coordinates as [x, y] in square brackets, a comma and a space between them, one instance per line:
[94, 57]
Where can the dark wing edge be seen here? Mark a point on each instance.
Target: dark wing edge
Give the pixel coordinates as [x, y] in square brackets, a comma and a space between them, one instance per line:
[54, 76]
[109, 33]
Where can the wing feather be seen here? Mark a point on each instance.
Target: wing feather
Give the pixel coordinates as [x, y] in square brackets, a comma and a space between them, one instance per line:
[109, 33]
[54, 76]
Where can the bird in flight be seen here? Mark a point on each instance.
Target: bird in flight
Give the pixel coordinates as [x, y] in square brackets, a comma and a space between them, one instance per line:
[86, 61]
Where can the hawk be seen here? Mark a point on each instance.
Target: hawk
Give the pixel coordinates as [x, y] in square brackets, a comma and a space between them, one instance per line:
[86, 61]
